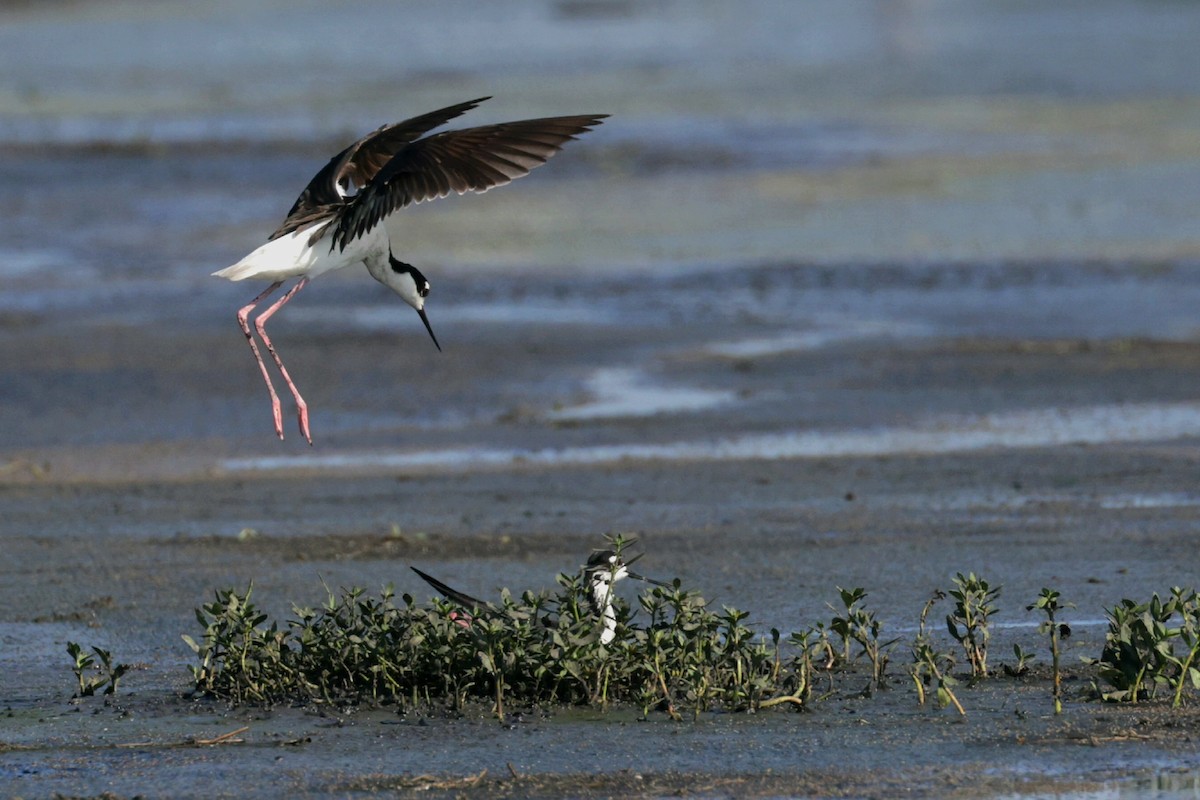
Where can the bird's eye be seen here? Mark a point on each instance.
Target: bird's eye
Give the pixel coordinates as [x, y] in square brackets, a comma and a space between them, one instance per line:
[424, 290]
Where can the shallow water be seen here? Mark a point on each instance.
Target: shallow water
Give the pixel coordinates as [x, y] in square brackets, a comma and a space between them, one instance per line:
[828, 133]
[1165, 785]
[1026, 429]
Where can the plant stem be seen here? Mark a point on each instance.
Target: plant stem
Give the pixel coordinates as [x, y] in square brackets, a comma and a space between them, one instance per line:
[1054, 661]
[1183, 677]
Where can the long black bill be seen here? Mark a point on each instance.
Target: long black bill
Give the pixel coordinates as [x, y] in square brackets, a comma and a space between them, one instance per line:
[425, 319]
[638, 577]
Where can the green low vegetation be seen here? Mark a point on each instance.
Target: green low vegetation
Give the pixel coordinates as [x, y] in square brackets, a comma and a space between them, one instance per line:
[672, 654]
[1150, 647]
[968, 624]
[675, 655]
[94, 671]
[536, 650]
[861, 626]
[931, 667]
[1048, 603]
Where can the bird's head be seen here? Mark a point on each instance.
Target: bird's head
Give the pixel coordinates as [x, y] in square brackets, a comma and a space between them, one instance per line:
[408, 282]
[605, 568]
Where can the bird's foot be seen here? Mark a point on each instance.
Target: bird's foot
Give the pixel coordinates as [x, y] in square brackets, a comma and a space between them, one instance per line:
[277, 411]
[302, 415]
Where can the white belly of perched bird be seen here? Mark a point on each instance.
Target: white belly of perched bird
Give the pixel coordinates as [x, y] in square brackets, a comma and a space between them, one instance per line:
[602, 600]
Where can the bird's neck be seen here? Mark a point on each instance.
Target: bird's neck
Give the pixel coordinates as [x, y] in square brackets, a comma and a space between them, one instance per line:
[376, 259]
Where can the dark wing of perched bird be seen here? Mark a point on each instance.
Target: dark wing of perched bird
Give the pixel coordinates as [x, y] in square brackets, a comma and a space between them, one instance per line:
[464, 600]
[468, 160]
[358, 164]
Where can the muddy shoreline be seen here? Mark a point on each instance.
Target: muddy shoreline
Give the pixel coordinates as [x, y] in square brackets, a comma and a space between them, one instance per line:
[115, 543]
[798, 528]
[115, 539]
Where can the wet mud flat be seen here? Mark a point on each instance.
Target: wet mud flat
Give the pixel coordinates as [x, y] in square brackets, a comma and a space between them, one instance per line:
[115, 540]
[134, 594]
[853, 747]
[848, 744]
[913, 295]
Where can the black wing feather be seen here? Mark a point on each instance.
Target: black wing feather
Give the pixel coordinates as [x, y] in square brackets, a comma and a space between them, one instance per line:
[468, 160]
[464, 600]
[360, 162]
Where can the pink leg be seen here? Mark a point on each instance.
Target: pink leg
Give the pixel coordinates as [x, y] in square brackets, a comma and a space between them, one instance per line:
[242, 317]
[261, 325]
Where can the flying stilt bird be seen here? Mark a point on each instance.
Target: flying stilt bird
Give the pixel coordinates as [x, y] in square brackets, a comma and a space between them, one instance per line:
[338, 220]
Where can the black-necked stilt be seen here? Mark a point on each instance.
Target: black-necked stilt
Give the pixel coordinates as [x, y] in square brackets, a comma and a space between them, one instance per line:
[602, 571]
[337, 221]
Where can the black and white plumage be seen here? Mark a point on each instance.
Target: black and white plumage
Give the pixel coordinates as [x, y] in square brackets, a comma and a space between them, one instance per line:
[337, 221]
[603, 570]
[601, 573]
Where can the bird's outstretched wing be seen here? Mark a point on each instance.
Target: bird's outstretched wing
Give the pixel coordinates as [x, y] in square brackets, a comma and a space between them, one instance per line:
[359, 163]
[464, 600]
[468, 160]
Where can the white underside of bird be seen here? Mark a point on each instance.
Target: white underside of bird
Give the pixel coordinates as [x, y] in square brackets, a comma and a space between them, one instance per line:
[608, 615]
[291, 256]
